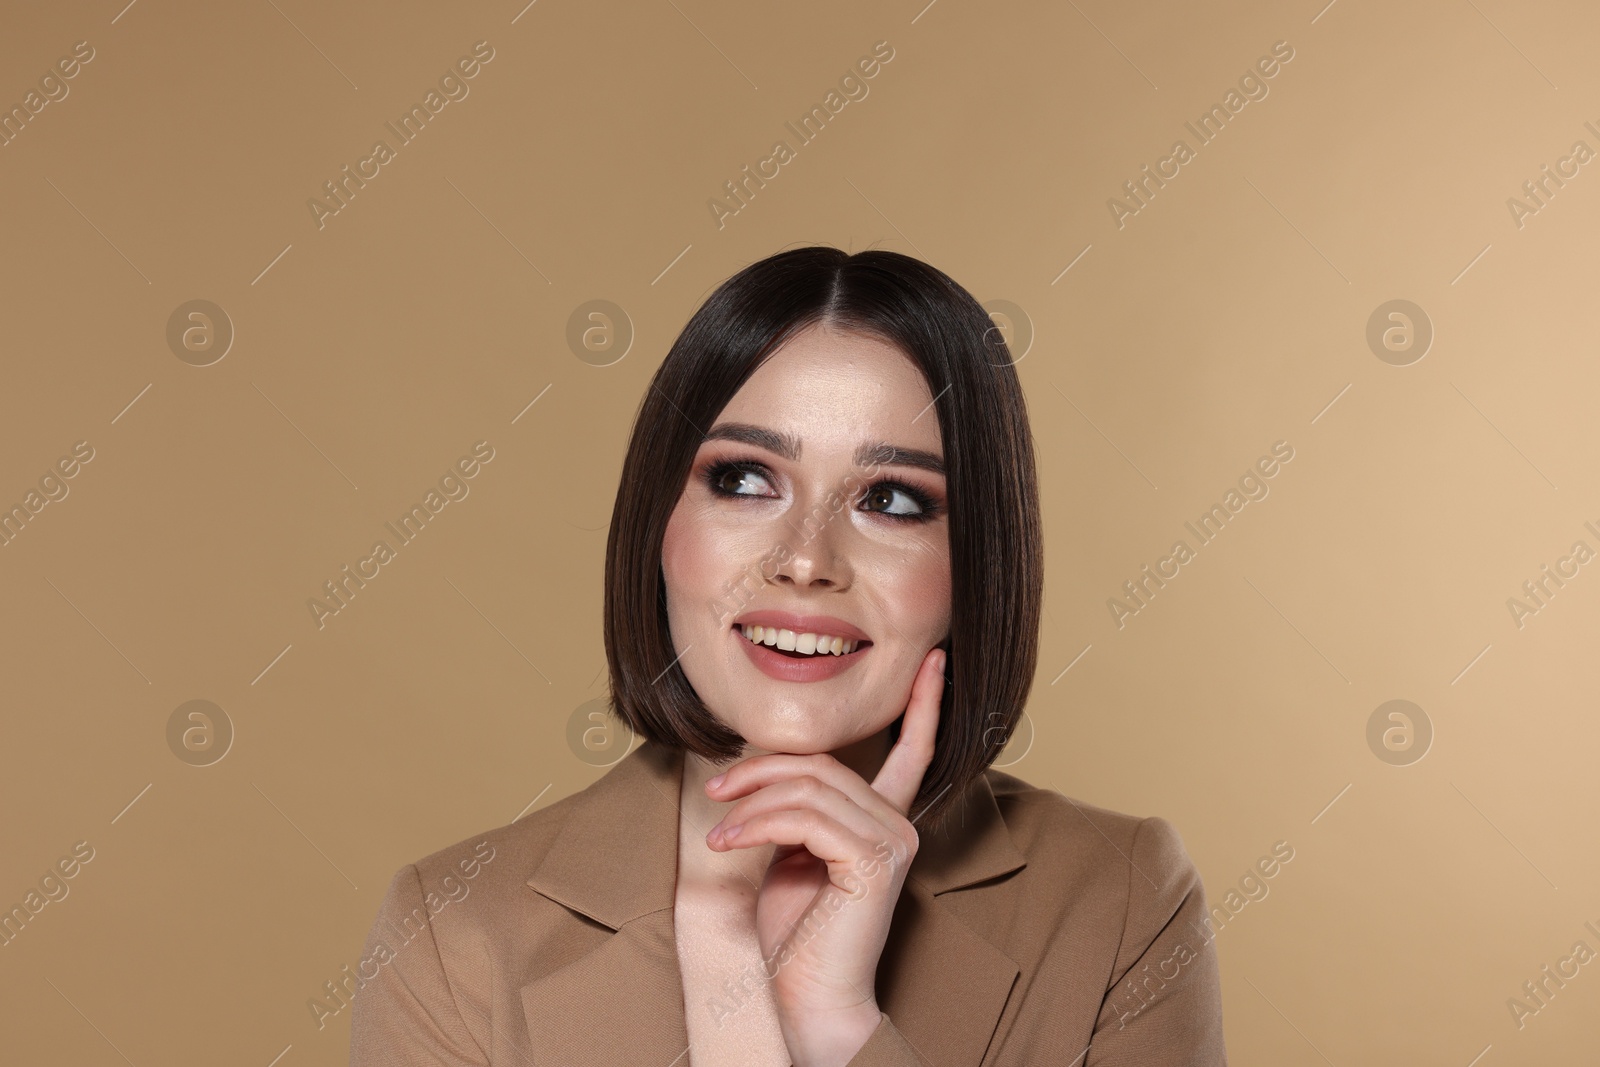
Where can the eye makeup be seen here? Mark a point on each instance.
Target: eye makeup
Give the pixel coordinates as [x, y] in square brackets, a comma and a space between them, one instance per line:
[714, 472]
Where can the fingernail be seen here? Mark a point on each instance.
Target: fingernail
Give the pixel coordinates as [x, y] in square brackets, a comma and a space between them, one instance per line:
[731, 832]
[943, 656]
[713, 783]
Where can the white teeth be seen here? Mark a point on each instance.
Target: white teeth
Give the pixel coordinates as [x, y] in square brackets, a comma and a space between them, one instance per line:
[807, 644]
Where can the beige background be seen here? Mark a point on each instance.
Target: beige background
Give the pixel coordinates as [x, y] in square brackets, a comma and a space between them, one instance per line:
[1229, 313]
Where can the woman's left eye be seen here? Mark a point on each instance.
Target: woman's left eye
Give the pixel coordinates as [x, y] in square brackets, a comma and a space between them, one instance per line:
[885, 492]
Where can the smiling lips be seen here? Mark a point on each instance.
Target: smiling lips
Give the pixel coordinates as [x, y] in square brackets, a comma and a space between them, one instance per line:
[805, 644]
[799, 648]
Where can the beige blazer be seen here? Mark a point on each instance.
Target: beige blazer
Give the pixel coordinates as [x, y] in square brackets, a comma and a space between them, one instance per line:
[1037, 930]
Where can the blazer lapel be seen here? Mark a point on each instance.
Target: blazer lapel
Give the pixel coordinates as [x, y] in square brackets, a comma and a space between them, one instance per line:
[942, 982]
[615, 861]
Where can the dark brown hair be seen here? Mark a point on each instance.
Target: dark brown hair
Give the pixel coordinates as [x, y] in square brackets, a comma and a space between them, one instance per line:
[996, 550]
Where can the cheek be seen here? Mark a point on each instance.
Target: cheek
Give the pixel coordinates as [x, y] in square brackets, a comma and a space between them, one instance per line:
[683, 571]
[711, 537]
[920, 579]
[683, 556]
[699, 560]
[932, 599]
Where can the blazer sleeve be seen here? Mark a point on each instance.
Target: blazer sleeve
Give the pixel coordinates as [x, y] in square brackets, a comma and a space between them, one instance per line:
[1164, 1006]
[406, 1015]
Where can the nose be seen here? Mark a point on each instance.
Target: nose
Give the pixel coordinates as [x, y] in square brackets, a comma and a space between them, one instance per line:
[818, 554]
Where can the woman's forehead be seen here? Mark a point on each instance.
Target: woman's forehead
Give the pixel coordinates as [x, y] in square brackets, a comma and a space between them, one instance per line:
[840, 386]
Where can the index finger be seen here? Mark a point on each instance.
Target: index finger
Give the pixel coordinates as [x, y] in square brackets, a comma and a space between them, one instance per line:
[901, 774]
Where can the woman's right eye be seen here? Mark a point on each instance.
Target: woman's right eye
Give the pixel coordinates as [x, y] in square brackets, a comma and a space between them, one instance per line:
[730, 479]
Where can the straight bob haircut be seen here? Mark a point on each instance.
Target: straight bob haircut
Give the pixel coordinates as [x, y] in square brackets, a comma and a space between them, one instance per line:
[996, 550]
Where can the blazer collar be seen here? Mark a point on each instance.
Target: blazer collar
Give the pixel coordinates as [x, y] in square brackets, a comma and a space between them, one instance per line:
[615, 861]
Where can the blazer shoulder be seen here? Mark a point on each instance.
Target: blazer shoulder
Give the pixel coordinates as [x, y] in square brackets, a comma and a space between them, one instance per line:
[1050, 827]
[506, 855]
[448, 925]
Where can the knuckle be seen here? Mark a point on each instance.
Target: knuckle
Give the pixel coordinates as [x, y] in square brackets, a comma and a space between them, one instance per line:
[822, 762]
[903, 844]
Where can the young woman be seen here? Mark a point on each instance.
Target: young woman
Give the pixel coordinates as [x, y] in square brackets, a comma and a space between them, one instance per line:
[822, 595]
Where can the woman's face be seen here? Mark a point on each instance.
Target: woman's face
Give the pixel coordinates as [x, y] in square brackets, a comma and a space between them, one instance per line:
[831, 530]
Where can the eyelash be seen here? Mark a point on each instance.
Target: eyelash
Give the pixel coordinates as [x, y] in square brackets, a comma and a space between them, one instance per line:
[712, 476]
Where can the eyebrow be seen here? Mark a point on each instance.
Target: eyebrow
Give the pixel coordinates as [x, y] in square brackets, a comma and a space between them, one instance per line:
[786, 445]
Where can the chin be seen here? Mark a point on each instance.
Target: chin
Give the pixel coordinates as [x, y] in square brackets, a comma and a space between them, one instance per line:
[803, 739]
[799, 743]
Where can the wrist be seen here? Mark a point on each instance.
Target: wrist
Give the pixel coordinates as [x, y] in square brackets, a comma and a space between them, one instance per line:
[833, 1041]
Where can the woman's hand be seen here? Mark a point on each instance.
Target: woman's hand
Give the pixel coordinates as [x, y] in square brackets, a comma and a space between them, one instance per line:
[843, 848]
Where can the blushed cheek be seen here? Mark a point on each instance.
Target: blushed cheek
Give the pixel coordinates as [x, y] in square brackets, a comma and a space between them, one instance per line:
[672, 543]
[687, 547]
[682, 566]
[927, 604]
[700, 562]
